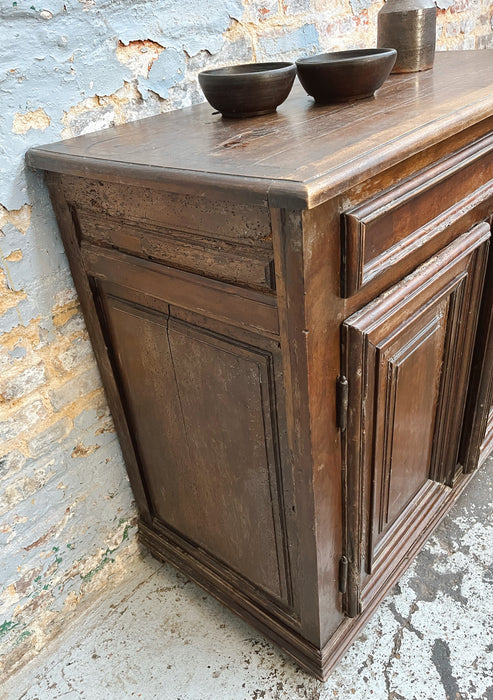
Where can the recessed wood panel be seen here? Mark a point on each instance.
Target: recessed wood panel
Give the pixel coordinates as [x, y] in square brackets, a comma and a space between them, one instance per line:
[211, 256]
[409, 366]
[200, 406]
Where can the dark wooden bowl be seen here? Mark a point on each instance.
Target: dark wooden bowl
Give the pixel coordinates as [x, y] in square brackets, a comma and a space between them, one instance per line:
[247, 90]
[342, 76]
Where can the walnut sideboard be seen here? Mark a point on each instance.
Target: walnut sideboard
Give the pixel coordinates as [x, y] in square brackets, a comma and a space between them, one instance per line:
[293, 329]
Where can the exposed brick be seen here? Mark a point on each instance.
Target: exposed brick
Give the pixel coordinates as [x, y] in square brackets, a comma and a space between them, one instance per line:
[452, 29]
[263, 9]
[81, 450]
[31, 120]
[65, 296]
[76, 354]
[468, 43]
[20, 218]
[75, 388]
[360, 5]
[461, 5]
[42, 442]
[11, 463]
[73, 324]
[24, 585]
[484, 42]
[24, 383]
[23, 488]
[294, 7]
[467, 26]
[23, 419]
[5, 358]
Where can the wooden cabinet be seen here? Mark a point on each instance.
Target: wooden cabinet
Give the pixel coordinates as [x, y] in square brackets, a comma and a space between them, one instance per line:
[292, 315]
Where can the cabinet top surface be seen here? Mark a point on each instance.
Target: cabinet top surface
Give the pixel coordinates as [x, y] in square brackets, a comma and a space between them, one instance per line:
[299, 156]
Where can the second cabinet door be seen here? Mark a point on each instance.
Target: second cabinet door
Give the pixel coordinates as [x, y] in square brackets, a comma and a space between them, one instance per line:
[202, 396]
[407, 357]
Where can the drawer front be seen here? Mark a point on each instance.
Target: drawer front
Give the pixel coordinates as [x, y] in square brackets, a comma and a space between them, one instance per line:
[222, 240]
[243, 308]
[414, 216]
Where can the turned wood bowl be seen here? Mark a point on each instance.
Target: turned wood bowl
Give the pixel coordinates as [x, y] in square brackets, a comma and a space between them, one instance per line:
[247, 90]
[342, 76]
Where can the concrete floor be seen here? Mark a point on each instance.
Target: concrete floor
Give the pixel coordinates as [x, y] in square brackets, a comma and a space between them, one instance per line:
[158, 636]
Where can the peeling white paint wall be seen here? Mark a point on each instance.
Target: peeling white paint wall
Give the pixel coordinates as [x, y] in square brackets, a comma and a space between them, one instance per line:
[67, 521]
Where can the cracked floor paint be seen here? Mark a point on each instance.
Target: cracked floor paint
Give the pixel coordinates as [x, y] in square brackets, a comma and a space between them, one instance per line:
[158, 636]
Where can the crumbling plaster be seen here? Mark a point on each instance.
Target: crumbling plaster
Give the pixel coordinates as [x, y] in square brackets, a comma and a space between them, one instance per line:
[67, 521]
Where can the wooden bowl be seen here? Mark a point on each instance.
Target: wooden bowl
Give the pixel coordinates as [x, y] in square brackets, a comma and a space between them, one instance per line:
[342, 76]
[247, 90]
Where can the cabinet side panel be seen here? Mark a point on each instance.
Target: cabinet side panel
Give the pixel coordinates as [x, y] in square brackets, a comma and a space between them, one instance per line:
[200, 409]
[90, 308]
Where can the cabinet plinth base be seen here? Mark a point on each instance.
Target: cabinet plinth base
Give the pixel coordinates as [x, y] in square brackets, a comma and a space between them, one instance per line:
[318, 662]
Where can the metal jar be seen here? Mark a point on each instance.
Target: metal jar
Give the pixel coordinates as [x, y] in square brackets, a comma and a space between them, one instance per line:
[410, 27]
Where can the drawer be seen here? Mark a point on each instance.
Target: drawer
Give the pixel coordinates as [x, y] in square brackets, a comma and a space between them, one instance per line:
[414, 216]
[155, 285]
[227, 241]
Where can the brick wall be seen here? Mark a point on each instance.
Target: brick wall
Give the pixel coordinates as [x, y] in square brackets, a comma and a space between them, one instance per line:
[67, 521]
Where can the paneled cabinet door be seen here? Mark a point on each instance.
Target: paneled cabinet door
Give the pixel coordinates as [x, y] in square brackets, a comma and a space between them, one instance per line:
[407, 357]
[200, 397]
[477, 430]
[197, 370]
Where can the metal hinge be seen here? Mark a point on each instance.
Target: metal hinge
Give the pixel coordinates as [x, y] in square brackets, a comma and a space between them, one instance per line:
[343, 568]
[342, 402]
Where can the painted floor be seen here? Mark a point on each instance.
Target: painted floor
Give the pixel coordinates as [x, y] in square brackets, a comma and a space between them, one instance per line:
[158, 636]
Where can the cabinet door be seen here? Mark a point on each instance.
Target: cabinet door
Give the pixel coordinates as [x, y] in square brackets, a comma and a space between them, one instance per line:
[477, 430]
[407, 357]
[202, 396]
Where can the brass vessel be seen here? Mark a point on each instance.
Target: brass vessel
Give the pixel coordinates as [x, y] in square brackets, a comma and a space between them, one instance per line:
[410, 27]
